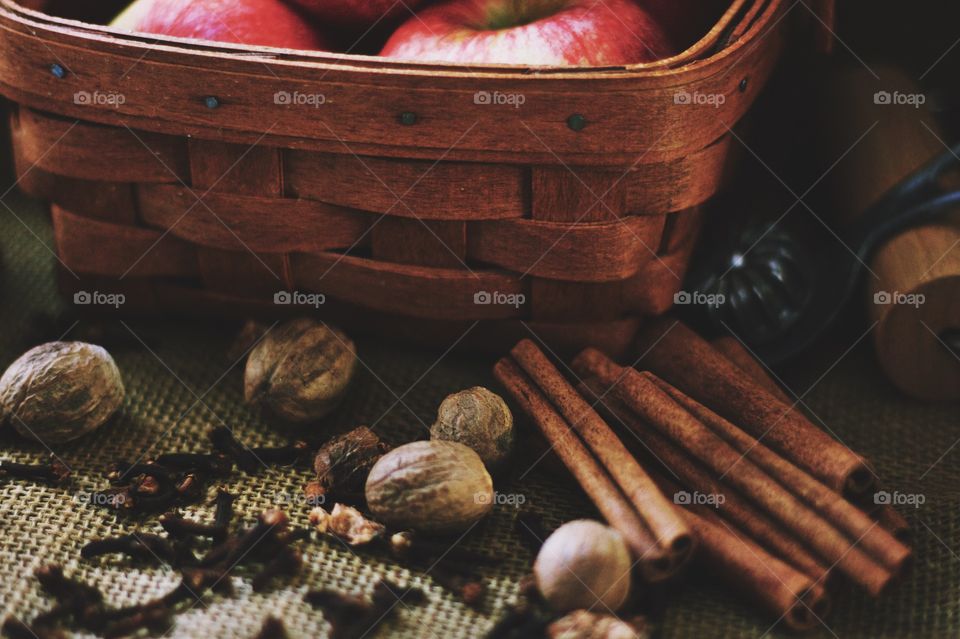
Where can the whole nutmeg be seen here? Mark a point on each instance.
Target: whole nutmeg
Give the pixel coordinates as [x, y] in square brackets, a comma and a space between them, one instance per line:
[300, 370]
[583, 564]
[59, 391]
[480, 419]
[431, 486]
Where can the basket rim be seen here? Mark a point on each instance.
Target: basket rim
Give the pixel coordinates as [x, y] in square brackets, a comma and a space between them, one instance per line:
[679, 66]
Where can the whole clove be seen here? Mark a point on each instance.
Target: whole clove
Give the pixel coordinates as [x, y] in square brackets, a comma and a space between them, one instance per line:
[272, 628]
[53, 472]
[224, 442]
[386, 592]
[287, 564]
[180, 527]
[528, 617]
[208, 463]
[289, 455]
[223, 514]
[16, 629]
[124, 472]
[136, 546]
[267, 529]
[355, 616]
[466, 585]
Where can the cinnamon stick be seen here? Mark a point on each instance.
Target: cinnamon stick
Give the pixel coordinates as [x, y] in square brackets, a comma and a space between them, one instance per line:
[890, 519]
[832, 506]
[796, 599]
[734, 350]
[659, 514]
[893, 522]
[684, 359]
[657, 408]
[653, 562]
[693, 476]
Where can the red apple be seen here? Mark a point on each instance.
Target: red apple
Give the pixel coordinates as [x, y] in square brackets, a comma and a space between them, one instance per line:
[268, 23]
[532, 32]
[358, 13]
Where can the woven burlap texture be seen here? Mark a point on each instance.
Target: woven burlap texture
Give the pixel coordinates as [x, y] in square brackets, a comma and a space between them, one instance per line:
[180, 384]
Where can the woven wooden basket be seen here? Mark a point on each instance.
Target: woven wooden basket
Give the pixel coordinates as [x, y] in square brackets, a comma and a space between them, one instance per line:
[206, 177]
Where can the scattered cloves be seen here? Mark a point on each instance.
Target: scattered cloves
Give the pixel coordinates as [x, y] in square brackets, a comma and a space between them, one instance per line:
[224, 442]
[354, 616]
[272, 628]
[137, 546]
[53, 472]
[286, 564]
[287, 455]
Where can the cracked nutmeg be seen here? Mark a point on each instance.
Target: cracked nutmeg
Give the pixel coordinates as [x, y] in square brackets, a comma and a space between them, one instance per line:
[431, 486]
[479, 419]
[59, 391]
[300, 370]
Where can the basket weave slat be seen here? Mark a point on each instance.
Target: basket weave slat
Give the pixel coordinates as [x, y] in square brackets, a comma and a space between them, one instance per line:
[94, 152]
[227, 221]
[193, 204]
[102, 248]
[405, 188]
[165, 92]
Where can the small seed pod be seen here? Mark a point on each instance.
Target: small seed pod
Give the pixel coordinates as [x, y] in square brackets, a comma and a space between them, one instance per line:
[300, 370]
[60, 391]
[584, 564]
[479, 419]
[431, 486]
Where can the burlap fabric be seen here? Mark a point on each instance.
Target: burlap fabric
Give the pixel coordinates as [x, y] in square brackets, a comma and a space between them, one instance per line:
[180, 384]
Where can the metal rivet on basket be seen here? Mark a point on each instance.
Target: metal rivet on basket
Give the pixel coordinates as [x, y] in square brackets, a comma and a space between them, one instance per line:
[58, 71]
[576, 122]
[743, 85]
[211, 101]
[408, 118]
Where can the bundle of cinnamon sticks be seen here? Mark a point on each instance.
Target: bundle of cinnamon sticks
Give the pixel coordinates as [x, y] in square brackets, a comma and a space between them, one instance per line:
[700, 448]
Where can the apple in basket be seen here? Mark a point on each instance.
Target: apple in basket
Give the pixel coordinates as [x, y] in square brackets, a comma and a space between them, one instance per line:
[531, 32]
[268, 23]
[358, 13]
